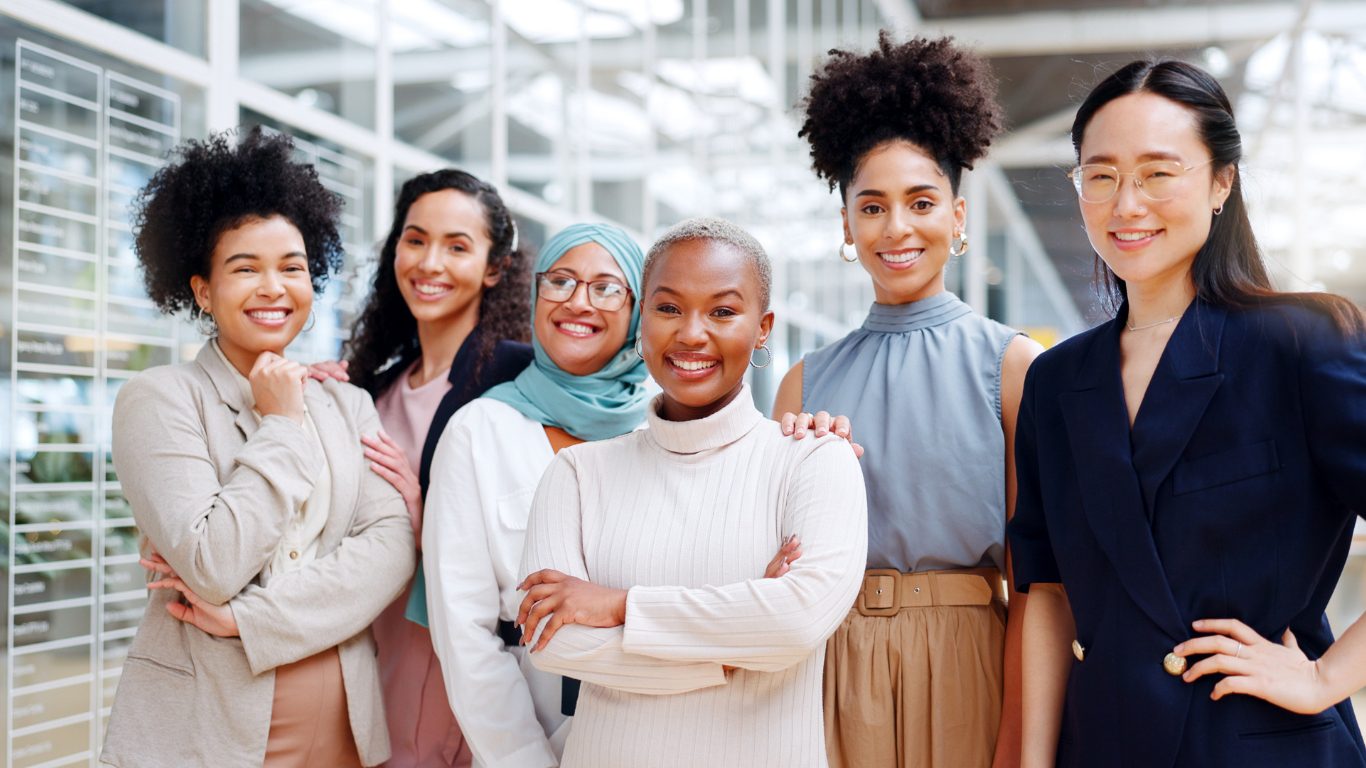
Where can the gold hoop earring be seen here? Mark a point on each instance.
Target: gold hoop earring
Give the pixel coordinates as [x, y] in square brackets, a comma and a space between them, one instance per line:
[844, 256]
[959, 246]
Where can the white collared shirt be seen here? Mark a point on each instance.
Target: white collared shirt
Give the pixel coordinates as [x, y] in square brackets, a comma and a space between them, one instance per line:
[299, 542]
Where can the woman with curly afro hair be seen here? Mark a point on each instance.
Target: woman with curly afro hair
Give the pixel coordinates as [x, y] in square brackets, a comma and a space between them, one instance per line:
[923, 672]
[272, 545]
[445, 321]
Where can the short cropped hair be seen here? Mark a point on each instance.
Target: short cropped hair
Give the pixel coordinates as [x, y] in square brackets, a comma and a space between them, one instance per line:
[718, 231]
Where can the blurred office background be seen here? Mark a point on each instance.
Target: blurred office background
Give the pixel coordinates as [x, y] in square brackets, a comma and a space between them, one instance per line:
[640, 112]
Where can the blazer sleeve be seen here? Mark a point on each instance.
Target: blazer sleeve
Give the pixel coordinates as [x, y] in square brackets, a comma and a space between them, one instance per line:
[1333, 398]
[1031, 547]
[216, 535]
[484, 682]
[770, 624]
[337, 596]
[594, 655]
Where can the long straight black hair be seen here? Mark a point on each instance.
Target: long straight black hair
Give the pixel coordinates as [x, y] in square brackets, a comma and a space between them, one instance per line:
[1228, 269]
[386, 342]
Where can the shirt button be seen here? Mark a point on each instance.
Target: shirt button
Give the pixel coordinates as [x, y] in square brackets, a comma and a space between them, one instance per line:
[293, 554]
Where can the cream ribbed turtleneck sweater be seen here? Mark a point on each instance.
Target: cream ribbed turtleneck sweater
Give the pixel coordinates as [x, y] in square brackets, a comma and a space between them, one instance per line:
[686, 515]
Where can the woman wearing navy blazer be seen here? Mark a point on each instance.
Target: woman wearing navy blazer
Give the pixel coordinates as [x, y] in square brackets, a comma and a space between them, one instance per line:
[1189, 472]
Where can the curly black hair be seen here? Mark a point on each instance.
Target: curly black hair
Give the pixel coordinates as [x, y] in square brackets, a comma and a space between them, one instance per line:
[930, 93]
[385, 342]
[213, 186]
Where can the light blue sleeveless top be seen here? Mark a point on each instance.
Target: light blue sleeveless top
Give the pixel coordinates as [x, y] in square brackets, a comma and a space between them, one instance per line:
[921, 384]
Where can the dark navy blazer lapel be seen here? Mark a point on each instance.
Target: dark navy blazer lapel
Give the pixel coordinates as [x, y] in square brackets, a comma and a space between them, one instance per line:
[1181, 389]
[1097, 430]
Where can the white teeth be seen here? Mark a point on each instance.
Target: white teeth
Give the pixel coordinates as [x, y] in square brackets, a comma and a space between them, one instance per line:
[270, 315]
[901, 258]
[1130, 236]
[578, 328]
[430, 290]
[693, 365]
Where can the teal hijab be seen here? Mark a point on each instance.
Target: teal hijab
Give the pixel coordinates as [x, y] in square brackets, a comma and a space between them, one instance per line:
[604, 404]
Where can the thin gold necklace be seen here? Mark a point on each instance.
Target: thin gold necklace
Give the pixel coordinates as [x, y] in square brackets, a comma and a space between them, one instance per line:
[1171, 319]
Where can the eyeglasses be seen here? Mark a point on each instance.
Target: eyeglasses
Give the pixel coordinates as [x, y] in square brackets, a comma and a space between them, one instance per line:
[1158, 180]
[607, 295]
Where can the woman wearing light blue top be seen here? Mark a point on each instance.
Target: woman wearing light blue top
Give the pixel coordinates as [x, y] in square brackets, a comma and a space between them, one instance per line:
[923, 672]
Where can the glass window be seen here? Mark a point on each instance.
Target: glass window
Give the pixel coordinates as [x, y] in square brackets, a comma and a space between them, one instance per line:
[321, 53]
[182, 24]
[88, 132]
[442, 79]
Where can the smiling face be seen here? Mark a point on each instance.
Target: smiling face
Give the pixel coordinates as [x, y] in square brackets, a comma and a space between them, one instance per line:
[258, 289]
[701, 319]
[1141, 240]
[901, 215]
[579, 337]
[441, 261]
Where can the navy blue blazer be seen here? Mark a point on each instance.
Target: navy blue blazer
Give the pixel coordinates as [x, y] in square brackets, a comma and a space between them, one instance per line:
[1234, 496]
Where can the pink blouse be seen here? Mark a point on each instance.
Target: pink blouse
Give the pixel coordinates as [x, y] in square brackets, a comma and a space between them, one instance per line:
[422, 730]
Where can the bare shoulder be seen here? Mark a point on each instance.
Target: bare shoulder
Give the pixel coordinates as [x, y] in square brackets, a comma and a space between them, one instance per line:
[1020, 354]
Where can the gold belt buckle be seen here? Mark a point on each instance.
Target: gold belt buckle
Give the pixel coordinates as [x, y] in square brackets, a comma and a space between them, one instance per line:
[881, 593]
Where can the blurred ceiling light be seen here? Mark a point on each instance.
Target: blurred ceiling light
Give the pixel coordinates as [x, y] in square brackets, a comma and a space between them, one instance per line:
[417, 24]
[428, 23]
[1215, 60]
[472, 80]
[558, 21]
[742, 76]
[642, 12]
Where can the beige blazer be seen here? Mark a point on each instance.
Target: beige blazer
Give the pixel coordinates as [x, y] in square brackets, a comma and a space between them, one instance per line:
[211, 486]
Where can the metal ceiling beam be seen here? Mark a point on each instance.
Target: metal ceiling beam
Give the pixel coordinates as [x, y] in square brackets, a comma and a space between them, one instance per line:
[1139, 29]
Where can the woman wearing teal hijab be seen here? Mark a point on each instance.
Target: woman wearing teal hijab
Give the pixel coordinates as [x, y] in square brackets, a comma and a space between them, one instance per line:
[586, 383]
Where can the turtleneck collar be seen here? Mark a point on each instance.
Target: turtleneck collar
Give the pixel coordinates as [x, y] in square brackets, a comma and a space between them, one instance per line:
[722, 428]
[929, 312]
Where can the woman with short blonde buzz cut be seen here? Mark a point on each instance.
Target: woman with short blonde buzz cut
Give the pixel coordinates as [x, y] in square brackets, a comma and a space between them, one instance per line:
[644, 553]
[924, 671]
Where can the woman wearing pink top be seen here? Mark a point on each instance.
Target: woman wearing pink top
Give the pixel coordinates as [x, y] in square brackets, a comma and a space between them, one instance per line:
[444, 322]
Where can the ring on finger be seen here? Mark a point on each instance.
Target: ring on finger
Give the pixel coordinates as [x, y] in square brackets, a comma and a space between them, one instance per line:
[1238, 652]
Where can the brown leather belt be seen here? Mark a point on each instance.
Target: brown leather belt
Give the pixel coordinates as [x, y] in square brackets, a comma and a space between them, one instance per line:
[886, 591]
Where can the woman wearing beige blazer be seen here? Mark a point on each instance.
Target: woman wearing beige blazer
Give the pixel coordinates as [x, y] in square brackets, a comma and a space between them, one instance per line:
[273, 544]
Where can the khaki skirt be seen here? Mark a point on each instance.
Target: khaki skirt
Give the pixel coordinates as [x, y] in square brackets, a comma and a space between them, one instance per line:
[309, 725]
[919, 688]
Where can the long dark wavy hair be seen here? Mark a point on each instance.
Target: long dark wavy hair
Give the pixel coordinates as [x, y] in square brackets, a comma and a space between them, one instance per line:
[385, 342]
[1228, 269]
